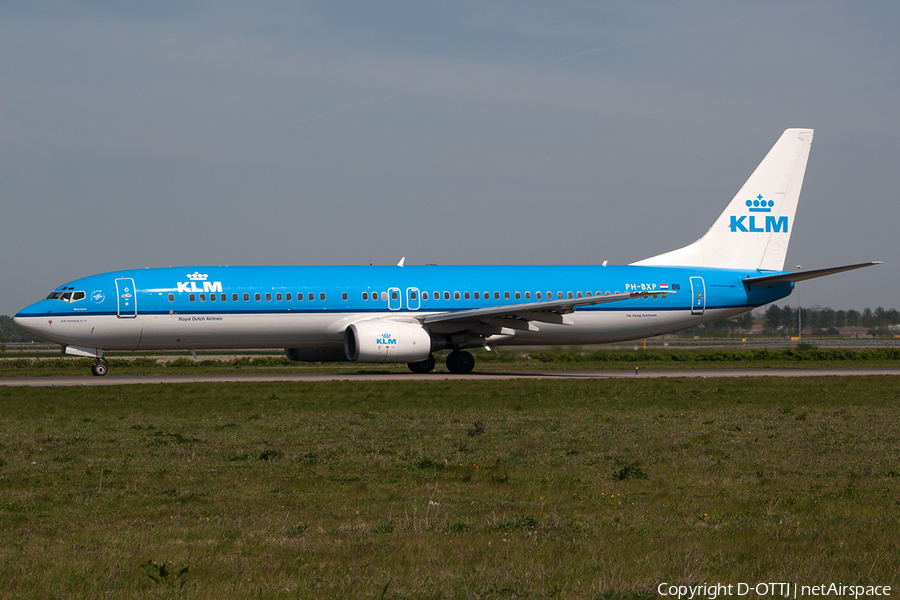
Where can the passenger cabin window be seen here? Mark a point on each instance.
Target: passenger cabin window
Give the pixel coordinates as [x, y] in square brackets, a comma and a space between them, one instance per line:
[518, 296]
[365, 295]
[424, 295]
[202, 297]
[288, 296]
[234, 297]
[446, 295]
[456, 295]
[212, 297]
[344, 296]
[256, 297]
[322, 296]
[537, 295]
[268, 297]
[192, 297]
[311, 296]
[246, 297]
[506, 295]
[466, 295]
[496, 295]
[478, 295]
[171, 297]
[278, 297]
[528, 295]
[384, 296]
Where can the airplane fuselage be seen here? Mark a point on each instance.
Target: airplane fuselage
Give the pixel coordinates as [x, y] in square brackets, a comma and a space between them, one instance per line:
[311, 307]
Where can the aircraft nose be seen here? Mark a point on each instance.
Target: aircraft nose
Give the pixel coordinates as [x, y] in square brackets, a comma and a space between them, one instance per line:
[29, 319]
[22, 323]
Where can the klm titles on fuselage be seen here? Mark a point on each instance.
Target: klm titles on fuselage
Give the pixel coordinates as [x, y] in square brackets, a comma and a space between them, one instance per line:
[191, 287]
[195, 278]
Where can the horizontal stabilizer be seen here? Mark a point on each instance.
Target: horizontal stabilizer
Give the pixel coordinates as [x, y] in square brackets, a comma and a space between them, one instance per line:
[770, 280]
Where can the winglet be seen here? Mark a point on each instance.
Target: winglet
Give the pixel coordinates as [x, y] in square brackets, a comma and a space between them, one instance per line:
[402, 260]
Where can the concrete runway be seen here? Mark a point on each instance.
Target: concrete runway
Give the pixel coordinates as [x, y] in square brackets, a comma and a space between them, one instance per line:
[439, 376]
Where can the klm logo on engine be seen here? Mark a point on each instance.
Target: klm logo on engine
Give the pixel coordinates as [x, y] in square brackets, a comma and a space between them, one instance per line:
[195, 278]
[749, 223]
[385, 339]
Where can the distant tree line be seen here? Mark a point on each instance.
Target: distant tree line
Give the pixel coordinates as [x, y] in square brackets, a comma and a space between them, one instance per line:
[783, 320]
[786, 319]
[10, 333]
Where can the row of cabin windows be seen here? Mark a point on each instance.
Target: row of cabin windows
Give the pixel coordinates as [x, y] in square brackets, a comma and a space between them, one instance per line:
[257, 297]
[396, 296]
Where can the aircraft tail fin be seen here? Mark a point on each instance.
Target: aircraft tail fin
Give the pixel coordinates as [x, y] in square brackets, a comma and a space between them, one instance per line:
[755, 229]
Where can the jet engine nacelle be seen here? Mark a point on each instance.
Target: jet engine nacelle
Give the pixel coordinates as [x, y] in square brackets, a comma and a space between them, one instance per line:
[315, 354]
[387, 341]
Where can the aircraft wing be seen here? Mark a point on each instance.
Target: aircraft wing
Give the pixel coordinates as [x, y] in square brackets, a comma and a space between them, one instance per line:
[770, 280]
[547, 311]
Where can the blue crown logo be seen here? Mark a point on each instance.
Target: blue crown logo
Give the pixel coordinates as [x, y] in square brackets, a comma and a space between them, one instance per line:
[759, 205]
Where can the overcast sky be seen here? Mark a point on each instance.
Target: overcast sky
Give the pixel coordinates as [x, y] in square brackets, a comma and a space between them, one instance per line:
[190, 133]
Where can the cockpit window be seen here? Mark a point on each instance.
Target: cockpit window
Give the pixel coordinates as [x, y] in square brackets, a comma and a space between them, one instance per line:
[66, 296]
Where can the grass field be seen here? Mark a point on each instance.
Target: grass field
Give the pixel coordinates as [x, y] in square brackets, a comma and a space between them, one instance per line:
[803, 356]
[514, 489]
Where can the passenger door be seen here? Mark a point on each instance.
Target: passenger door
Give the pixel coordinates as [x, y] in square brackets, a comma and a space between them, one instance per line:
[698, 296]
[127, 299]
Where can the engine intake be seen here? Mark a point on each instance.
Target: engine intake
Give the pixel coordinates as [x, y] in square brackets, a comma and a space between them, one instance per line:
[387, 341]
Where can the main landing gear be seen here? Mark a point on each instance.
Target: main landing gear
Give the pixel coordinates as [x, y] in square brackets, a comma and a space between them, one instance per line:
[99, 368]
[423, 366]
[458, 361]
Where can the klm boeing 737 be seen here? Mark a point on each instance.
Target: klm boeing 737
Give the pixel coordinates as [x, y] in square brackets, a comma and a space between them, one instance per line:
[403, 313]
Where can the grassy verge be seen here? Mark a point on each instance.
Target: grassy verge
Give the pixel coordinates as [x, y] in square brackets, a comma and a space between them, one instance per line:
[575, 489]
[508, 360]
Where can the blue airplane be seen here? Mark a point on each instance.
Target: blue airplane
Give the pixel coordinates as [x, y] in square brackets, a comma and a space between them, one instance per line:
[382, 314]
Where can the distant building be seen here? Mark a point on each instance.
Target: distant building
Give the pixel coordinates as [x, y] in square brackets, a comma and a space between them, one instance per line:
[829, 331]
[855, 332]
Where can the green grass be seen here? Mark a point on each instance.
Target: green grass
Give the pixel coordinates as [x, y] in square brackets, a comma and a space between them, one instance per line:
[447, 489]
[508, 360]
